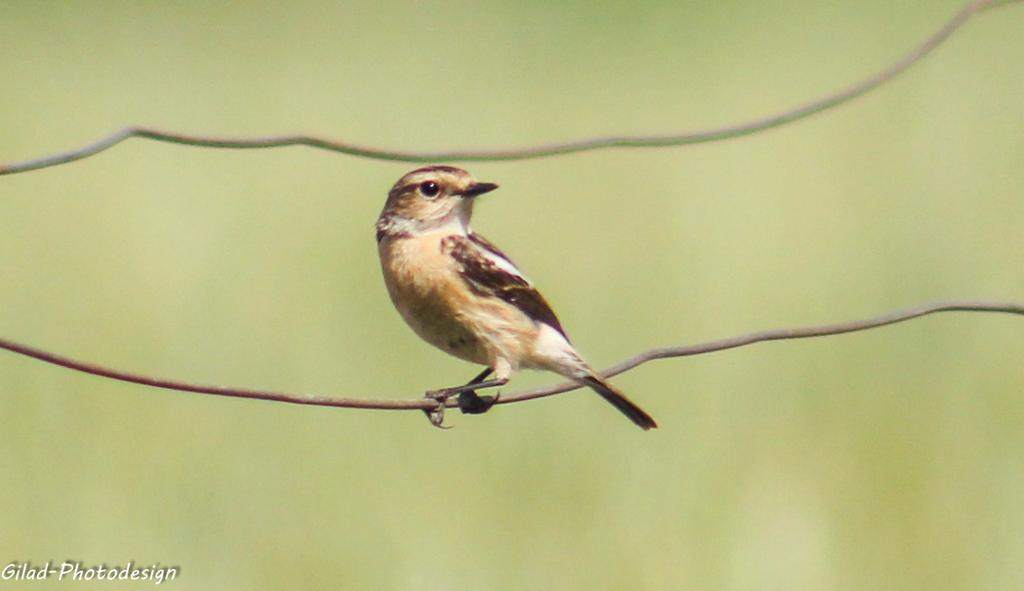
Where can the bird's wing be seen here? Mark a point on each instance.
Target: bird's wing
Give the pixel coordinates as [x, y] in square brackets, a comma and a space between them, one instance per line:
[489, 272]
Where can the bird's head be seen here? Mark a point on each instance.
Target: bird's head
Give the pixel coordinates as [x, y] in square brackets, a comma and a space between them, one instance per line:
[431, 198]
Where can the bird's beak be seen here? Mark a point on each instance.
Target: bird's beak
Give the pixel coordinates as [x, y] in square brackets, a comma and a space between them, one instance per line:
[477, 189]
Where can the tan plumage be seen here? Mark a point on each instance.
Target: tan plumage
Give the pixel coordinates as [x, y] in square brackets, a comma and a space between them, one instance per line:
[464, 296]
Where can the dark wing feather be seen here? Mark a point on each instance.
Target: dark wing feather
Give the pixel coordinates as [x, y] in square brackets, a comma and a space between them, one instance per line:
[486, 277]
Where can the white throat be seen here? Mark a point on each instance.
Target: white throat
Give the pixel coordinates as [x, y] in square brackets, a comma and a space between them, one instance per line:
[398, 225]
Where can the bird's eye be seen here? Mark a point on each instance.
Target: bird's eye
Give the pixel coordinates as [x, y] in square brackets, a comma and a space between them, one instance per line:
[429, 189]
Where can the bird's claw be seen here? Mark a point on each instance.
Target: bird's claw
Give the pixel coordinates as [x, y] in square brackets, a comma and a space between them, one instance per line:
[470, 403]
[436, 415]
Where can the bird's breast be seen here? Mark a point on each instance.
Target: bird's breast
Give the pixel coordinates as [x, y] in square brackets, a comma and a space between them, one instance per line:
[425, 287]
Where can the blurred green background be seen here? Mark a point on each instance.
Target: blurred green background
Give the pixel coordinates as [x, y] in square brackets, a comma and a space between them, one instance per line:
[891, 459]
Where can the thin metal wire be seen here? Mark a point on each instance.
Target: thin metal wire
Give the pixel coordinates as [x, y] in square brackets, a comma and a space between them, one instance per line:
[430, 404]
[540, 151]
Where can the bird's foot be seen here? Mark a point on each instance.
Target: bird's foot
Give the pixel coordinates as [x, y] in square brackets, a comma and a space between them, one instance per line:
[469, 401]
[436, 415]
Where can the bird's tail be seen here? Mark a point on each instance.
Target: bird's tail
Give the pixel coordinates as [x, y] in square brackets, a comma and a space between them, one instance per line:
[619, 401]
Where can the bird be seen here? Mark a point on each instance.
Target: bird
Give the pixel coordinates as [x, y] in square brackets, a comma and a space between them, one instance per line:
[463, 295]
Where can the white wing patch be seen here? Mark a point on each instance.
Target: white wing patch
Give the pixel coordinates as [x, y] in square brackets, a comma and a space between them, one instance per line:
[500, 262]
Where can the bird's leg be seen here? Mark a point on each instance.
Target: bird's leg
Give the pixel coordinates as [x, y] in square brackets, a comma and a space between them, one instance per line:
[469, 401]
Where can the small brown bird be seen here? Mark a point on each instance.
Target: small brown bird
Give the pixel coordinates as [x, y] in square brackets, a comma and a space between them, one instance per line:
[466, 297]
